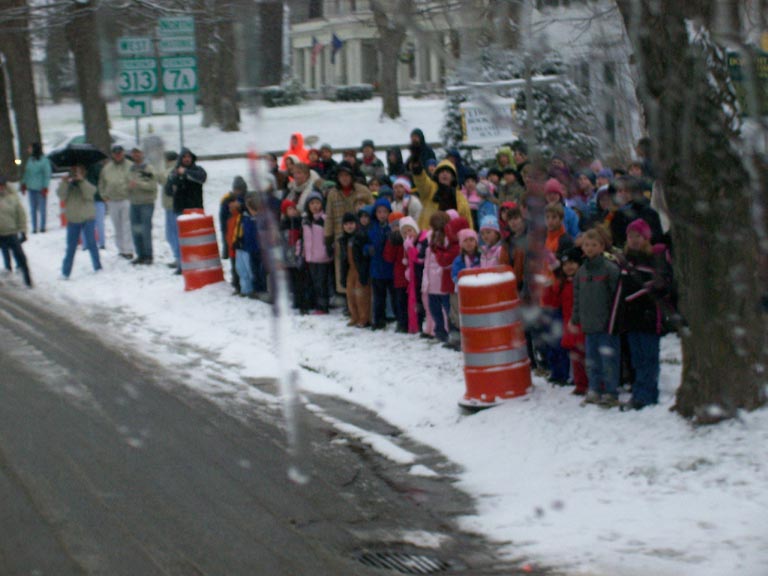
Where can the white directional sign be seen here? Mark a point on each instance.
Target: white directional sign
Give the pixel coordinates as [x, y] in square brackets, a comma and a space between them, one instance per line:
[179, 74]
[134, 46]
[176, 45]
[136, 106]
[180, 104]
[176, 26]
[137, 76]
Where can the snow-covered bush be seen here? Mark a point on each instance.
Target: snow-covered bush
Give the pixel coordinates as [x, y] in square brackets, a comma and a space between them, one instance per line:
[290, 92]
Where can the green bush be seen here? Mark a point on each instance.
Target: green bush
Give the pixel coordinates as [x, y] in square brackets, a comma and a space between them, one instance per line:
[354, 93]
[290, 92]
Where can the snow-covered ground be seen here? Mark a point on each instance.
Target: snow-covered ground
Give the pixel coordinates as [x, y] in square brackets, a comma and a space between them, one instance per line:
[586, 490]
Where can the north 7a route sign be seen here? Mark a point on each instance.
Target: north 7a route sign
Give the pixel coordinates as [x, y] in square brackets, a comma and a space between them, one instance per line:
[179, 74]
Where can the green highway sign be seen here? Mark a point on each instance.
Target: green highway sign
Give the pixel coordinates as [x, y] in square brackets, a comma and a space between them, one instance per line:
[137, 76]
[179, 74]
[176, 45]
[176, 26]
[134, 46]
[136, 106]
[181, 104]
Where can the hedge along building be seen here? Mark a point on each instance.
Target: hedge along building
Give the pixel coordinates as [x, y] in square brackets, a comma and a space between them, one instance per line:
[357, 59]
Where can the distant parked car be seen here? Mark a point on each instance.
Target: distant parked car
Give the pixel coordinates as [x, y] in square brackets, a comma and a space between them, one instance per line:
[115, 137]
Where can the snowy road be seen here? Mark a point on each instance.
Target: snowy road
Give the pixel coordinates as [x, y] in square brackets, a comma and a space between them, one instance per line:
[108, 466]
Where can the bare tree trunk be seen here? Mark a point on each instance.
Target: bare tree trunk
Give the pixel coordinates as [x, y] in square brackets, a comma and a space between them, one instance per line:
[229, 119]
[709, 195]
[206, 62]
[81, 35]
[7, 165]
[15, 46]
[56, 59]
[390, 19]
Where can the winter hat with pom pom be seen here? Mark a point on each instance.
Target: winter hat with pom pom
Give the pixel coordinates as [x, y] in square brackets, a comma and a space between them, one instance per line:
[489, 223]
[466, 233]
[408, 221]
[641, 227]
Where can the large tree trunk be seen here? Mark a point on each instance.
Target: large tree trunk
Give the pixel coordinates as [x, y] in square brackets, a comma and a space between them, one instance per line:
[229, 119]
[709, 195]
[390, 19]
[206, 62]
[57, 60]
[81, 35]
[8, 167]
[15, 46]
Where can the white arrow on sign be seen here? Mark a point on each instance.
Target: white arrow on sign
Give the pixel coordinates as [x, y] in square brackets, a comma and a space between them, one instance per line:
[182, 104]
[136, 106]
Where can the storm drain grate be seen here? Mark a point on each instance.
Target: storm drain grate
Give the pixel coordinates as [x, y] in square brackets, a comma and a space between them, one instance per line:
[403, 563]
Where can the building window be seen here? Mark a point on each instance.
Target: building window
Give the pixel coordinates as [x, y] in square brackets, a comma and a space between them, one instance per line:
[315, 8]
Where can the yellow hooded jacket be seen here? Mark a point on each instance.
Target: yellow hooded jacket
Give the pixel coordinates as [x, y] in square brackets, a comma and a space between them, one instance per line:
[427, 188]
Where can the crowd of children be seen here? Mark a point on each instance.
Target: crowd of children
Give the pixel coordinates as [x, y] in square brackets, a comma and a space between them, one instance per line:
[387, 243]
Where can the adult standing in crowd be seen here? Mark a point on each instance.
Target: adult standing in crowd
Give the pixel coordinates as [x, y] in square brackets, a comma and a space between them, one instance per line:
[185, 183]
[342, 199]
[441, 194]
[143, 193]
[171, 228]
[425, 152]
[13, 227]
[113, 188]
[79, 195]
[37, 177]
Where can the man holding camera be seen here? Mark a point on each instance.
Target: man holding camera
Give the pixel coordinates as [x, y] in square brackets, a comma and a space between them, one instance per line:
[113, 187]
[79, 194]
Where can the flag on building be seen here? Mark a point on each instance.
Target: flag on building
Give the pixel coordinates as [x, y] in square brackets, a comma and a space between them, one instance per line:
[317, 47]
[336, 45]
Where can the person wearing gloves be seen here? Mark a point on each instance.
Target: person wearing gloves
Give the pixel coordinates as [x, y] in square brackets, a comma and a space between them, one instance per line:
[142, 190]
[79, 195]
[35, 182]
[441, 193]
[13, 227]
[113, 187]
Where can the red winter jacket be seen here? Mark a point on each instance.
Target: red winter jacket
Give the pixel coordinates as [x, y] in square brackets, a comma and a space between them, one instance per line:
[445, 255]
[395, 254]
[560, 295]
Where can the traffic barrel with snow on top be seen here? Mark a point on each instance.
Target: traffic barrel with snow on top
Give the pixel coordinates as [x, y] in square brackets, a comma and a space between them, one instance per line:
[496, 364]
[200, 262]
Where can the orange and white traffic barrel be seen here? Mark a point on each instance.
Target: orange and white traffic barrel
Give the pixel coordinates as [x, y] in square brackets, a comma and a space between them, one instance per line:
[496, 364]
[200, 263]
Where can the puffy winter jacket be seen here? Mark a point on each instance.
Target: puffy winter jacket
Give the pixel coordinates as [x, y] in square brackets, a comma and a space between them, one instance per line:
[79, 197]
[13, 218]
[114, 179]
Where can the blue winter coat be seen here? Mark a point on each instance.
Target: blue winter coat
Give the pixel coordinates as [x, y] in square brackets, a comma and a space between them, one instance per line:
[571, 222]
[487, 208]
[37, 173]
[250, 235]
[460, 263]
[377, 238]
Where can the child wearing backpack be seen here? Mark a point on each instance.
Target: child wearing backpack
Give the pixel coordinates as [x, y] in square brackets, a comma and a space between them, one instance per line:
[382, 272]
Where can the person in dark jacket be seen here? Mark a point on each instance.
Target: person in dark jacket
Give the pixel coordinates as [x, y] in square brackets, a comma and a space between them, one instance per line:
[646, 281]
[425, 152]
[633, 205]
[395, 164]
[186, 182]
[382, 272]
[359, 281]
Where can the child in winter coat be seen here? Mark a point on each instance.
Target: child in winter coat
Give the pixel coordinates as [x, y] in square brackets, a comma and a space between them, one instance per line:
[493, 252]
[436, 282]
[382, 272]
[394, 252]
[559, 295]
[236, 239]
[290, 231]
[315, 252]
[594, 309]
[486, 206]
[348, 231]
[252, 245]
[359, 292]
[410, 232]
[470, 254]
[646, 279]
[471, 193]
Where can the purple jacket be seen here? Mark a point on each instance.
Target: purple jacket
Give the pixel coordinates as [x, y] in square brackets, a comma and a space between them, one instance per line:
[313, 240]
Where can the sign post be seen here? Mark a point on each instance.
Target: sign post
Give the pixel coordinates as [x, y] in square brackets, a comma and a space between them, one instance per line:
[136, 77]
[176, 44]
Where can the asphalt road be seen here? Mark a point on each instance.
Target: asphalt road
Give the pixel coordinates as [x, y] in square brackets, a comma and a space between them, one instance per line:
[109, 466]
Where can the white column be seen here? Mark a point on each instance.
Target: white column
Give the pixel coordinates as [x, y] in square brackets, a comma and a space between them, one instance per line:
[307, 68]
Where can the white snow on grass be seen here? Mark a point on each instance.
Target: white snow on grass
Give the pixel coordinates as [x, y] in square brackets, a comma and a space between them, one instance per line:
[583, 489]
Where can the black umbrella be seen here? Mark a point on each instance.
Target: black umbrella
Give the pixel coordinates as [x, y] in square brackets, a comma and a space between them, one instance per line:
[85, 154]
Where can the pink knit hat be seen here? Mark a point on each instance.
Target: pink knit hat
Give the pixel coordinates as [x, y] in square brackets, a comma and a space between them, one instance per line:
[404, 182]
[641, 227]
[452, 214]
[553, 186]
[466, 233]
